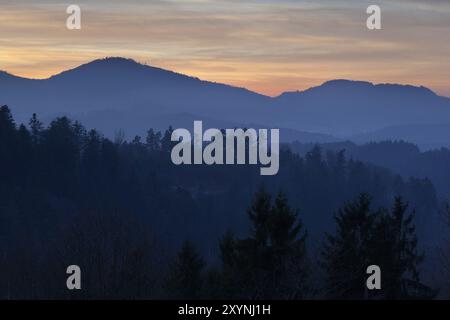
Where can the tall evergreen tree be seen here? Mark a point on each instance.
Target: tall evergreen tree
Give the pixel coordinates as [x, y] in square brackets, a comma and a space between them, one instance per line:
[36, 128]
[382, 238]
[346, 255]
[8, 146]
[6, 121]
[271, 263]
[396, 250]
[153, 140]
[166, 141]
[186, 277]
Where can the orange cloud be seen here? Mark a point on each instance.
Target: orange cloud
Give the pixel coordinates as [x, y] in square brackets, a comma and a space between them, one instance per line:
[266, 46]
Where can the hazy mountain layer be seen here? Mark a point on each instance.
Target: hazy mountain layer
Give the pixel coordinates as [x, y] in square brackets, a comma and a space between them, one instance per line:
[117, 93]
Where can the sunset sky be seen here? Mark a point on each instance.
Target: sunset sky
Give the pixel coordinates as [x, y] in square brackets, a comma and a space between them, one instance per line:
[268, 46]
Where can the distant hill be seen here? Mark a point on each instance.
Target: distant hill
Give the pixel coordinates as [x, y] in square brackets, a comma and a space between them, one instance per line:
[118, 93]
[346, 108]
[123, 84]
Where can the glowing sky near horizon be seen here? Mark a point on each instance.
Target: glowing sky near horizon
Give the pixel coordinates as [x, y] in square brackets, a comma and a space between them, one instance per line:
[268, 46]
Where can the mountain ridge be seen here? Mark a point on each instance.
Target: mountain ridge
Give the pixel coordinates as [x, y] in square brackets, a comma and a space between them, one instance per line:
[139, 93]
[121, 61]
[343, 84]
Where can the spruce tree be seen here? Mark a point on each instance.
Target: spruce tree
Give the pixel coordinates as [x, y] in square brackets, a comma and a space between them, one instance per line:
[271, 263]
[346, 255]
[364, 238]
[166, 141]
[6, 120]
[186, 277]
[399, 258]
[8, 146]
[36, 128]
[153, 140]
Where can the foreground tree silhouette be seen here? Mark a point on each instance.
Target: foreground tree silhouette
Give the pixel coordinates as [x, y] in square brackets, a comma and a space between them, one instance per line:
[396, 249]
[346, 255]
[186, 277]
[271, 263]
[365, 238]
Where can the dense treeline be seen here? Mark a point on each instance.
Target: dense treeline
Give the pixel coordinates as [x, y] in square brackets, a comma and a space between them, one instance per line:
[272, 263]
[398, 156]
[121, 211]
